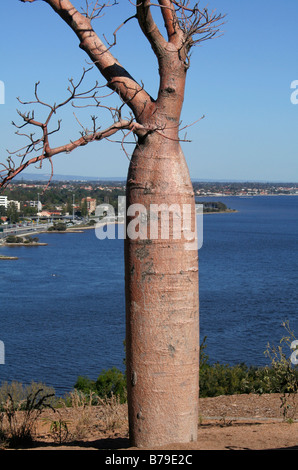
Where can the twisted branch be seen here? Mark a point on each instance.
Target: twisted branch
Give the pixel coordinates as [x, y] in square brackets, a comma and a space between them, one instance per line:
[41, 145]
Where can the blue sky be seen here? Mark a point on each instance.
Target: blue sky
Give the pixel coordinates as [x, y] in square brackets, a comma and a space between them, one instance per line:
[240, 82]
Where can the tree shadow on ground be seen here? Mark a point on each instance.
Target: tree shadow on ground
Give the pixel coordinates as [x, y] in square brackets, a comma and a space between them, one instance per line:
[108, 443]
[98, 444]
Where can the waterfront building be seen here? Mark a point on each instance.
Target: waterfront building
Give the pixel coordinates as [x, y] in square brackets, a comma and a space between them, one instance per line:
[3, 201]
[91, 204]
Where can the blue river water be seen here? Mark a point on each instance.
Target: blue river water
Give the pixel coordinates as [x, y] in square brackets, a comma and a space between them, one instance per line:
[62, 308]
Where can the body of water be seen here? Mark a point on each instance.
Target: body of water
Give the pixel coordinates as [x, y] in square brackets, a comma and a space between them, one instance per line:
[62, 308]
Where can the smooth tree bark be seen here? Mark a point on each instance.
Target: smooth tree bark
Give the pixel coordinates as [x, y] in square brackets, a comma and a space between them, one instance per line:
[161, 269]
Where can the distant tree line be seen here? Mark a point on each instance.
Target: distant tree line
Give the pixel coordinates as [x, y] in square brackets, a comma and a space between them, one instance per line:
[235, 187]
[62, 195]
[11, 213]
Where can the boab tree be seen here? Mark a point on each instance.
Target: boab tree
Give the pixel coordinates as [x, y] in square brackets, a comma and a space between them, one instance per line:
[161, 272]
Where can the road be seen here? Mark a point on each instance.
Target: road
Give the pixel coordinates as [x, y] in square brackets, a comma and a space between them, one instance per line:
[36, 228]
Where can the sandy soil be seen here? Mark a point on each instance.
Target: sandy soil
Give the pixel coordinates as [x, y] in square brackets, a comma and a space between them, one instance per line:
[237, 422]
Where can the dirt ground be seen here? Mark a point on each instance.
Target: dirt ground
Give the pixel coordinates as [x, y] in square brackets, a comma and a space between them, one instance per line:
[237, 422]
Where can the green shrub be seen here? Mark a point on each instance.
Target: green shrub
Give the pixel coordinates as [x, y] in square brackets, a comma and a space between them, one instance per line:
[29, 239]
[111, 382]
[281, 376]
[224, 379]
[85, 385]
[13, 239]
[59, 227]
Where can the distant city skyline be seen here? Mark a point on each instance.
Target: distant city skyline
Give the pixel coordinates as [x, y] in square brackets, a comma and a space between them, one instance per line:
[66, 177]
[240, 81]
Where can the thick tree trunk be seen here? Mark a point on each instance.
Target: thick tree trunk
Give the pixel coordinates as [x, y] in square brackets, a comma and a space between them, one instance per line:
[162, 312]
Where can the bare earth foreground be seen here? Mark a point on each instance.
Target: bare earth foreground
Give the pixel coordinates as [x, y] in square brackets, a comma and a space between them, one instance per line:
[238, 422]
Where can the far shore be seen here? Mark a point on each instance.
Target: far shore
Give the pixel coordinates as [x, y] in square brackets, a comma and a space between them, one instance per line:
[229, 211]
[245, 196]
[3, 257]
[25, 244]
[72, 230]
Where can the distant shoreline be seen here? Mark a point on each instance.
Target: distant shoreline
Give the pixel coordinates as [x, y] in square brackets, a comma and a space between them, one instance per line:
[229, 211]
[243, 196]
[72, 230]
[24, 244]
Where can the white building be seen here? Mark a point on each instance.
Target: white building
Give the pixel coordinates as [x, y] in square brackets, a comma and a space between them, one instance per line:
[16, 203]
[37, 204]
[3, 201]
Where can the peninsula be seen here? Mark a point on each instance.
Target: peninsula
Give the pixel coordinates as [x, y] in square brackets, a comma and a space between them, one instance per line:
[3, 257]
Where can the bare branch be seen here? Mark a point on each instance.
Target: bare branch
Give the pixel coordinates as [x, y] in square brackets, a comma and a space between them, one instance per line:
[197, 24]
[171, 21]
[116, 31]
[41, 144]
[95, 11]
[117, 77]
[186, 26]
[10, 170]
[149, 27]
